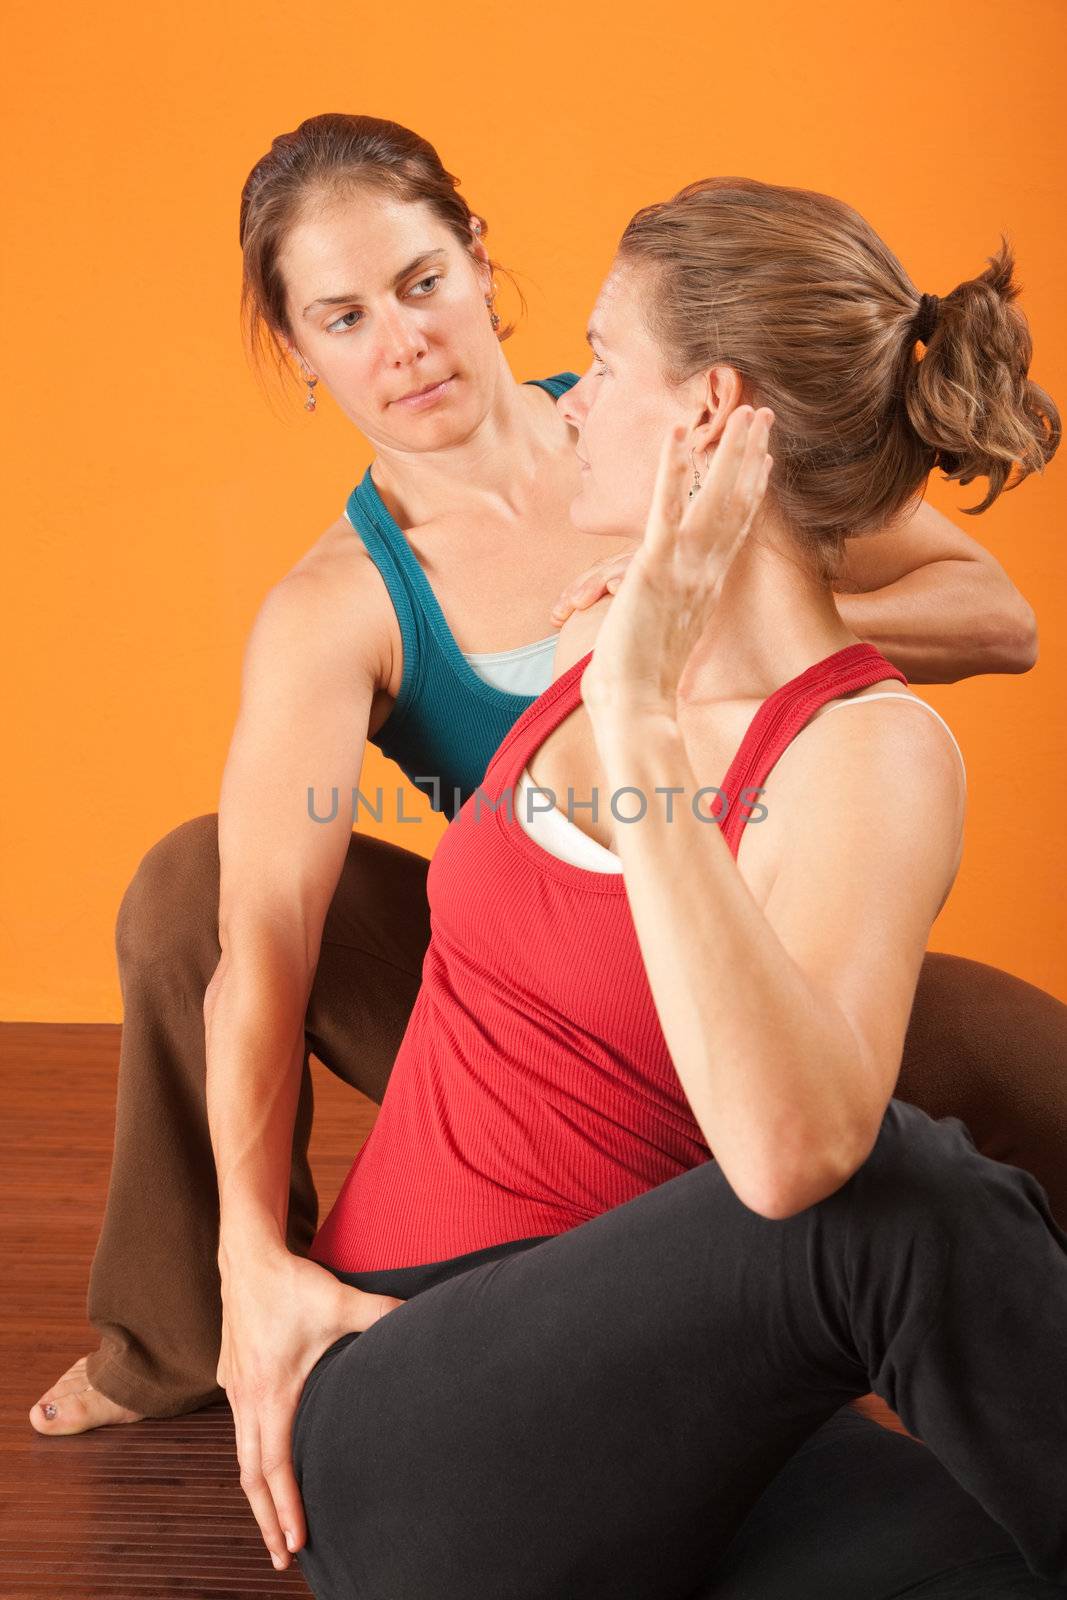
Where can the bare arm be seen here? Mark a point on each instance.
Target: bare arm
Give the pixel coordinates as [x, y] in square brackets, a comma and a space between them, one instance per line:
[307, 689]
[784, 1012]
[785, 1021]
[934, 602]
[309, 680]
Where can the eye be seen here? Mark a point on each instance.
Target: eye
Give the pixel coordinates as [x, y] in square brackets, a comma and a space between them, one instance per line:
[598, 364]
[342, 323]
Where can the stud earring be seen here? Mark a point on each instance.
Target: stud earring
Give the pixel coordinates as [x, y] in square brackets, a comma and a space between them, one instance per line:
[311, 380]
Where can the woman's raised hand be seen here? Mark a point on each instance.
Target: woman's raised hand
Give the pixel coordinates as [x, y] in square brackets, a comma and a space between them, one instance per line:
[279, 1316]
[671, 587]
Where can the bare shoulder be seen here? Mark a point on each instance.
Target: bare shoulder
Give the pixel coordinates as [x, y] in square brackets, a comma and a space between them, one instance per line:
[878, 772]
[578, 635]
[334, 604]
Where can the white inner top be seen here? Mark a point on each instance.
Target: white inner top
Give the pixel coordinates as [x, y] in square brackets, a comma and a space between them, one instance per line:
[560, 837]
[524, 670]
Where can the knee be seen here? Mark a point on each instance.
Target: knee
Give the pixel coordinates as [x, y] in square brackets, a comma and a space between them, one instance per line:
[170, 906]
[922, 1163]
[929, 1172]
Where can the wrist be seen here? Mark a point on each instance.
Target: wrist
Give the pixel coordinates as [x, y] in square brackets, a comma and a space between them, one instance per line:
[629, 732]
[644, 753]
[619, 712]
[252, 1239]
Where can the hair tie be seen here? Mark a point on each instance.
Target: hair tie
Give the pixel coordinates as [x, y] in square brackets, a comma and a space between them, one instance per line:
[925, 319]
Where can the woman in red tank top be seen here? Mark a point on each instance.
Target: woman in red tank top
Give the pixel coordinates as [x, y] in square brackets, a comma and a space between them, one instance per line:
[638, 1177]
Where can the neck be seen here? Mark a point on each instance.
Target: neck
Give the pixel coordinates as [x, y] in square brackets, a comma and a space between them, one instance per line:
[495, 470]
[774, 619]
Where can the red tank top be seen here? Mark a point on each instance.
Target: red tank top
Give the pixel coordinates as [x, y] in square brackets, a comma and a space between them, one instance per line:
[533, 1088]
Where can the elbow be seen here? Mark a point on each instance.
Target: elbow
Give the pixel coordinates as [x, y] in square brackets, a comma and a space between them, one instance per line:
[1010, 642]
[786, 1194]
[778, 1205]
[1019, 641]
[214, 985]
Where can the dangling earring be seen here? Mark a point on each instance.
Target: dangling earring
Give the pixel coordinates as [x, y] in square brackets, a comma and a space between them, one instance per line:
[696, 481]
[311, 380]
[493, 318]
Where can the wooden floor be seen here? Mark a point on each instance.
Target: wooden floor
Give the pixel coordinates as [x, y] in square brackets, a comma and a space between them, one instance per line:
[153, 1509]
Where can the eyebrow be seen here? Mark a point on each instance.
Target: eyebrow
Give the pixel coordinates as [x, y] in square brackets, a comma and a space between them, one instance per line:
[345, 299]
[592, 333]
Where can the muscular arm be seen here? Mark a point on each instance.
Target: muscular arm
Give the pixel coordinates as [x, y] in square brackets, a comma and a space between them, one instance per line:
[785, 1020]
[935, 603]
[307, 690]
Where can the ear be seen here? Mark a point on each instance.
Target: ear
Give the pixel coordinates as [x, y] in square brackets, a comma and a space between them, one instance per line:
[481, 257]
[719, 392]
[294, 355]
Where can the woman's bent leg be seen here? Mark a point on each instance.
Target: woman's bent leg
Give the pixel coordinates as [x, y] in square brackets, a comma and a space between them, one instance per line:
[861, 1513]
[990, 1049]
[580, 1418]
[154, 1289]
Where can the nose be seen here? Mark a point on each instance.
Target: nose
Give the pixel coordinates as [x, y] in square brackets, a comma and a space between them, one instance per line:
[571, 404]
[402, 340]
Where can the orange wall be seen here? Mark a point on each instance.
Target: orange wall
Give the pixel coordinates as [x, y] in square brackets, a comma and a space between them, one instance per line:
[155, 495]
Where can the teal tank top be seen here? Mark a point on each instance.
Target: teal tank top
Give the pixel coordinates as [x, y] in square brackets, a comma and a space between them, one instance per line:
[447, 721]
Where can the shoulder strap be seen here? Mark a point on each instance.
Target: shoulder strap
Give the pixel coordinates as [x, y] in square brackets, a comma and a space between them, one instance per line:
[782, 716]
[557, 385]
[916, 700]
[394, 558]
[534, 725]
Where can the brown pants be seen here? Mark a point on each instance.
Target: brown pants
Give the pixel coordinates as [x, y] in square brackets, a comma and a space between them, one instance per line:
[981, 1045]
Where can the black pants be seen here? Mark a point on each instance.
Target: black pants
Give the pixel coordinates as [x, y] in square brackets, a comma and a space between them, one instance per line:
[648, 1407]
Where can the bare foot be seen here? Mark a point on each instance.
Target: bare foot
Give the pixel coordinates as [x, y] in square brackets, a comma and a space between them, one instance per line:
[73, 1406]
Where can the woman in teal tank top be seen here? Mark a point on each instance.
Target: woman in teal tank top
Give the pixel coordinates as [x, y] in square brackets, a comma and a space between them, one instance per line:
[447, 719]
[367, 273]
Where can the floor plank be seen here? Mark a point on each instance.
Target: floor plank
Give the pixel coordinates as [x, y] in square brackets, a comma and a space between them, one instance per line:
[141, 1512]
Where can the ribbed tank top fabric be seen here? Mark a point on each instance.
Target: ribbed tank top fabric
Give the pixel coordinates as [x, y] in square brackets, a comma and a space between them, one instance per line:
[447, 720]
[533, 1087]
[560, 835]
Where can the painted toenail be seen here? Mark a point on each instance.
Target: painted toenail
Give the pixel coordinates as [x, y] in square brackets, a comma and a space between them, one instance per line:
[50, 1410]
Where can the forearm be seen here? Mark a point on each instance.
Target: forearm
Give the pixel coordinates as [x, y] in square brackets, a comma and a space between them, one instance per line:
[254, 1035]
[945, 621]
[770, 1067]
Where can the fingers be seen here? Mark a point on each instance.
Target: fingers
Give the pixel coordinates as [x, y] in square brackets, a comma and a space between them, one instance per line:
[277, 1467]
[268, 1481]
[602, 578]
[576, 598]
[754, 469]
[719, 516]
[739, 458]
[668, 495]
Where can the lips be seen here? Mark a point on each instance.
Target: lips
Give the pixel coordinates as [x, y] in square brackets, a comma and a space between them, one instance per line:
[415, 393]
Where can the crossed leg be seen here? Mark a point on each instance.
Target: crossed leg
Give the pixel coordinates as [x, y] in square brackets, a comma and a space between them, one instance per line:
[597, 1414]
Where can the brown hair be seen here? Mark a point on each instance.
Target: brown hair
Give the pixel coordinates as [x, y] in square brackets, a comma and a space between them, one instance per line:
[326, 157]
[798, 293]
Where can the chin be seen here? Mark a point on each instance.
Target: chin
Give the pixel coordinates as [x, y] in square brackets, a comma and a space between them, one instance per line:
[589, 516]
